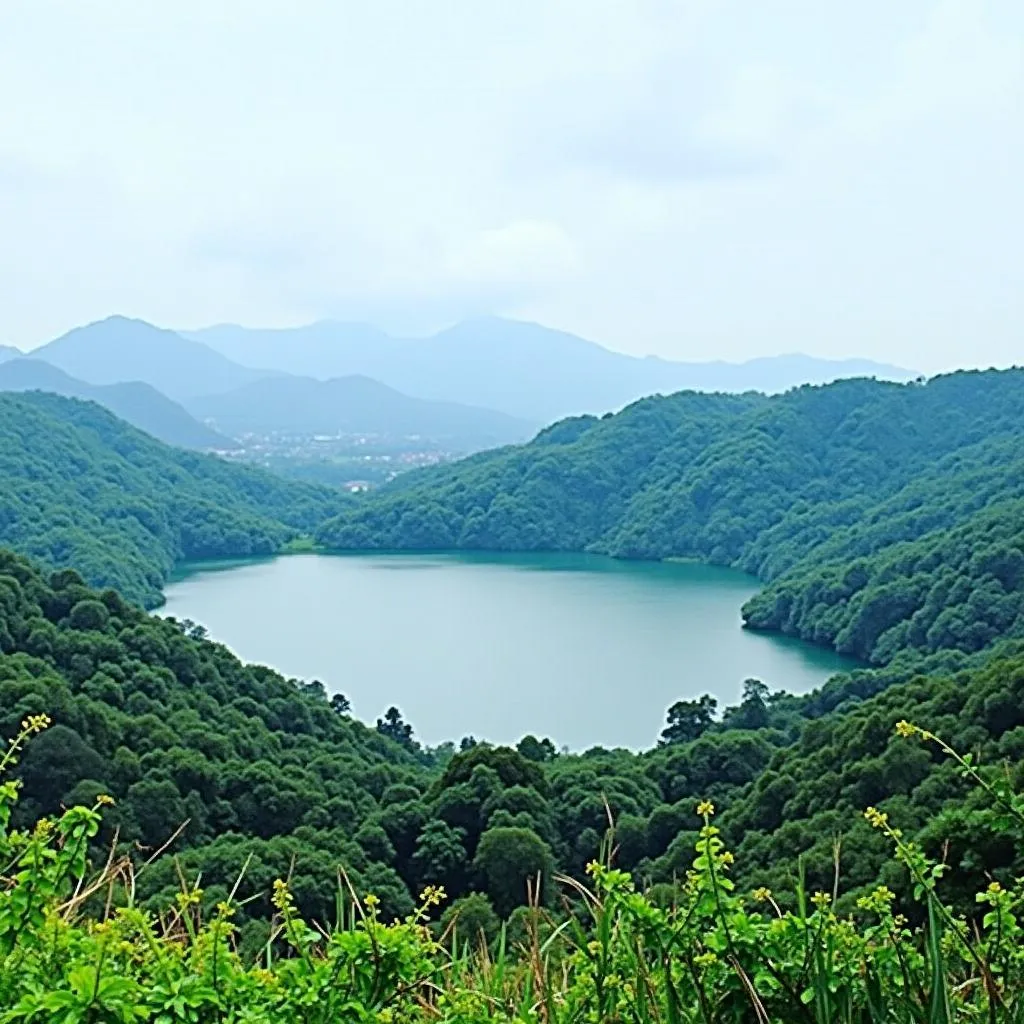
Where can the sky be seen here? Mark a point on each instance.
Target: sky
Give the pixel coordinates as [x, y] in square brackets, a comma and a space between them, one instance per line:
[694, 179]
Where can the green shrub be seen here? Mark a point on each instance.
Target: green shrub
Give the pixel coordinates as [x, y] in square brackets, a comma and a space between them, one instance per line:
[76, 949]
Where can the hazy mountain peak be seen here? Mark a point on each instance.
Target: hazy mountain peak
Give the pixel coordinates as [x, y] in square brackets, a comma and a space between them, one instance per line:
[522, 368]
[354, 404]
[120, 348]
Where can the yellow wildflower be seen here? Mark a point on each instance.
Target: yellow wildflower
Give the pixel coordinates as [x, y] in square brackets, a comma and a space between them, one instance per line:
[878, 900]
[44, 826]
[876, 818]
[432, 895]
[705, 809]
[282, 897]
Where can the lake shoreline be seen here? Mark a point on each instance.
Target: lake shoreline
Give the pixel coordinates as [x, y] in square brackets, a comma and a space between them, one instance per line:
[487, 633]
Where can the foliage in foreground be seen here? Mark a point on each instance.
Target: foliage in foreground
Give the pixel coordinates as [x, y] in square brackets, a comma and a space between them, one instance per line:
[271, 772]
[76, 948]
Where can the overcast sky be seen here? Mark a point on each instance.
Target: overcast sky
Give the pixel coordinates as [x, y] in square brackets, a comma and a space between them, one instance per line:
[696, 179]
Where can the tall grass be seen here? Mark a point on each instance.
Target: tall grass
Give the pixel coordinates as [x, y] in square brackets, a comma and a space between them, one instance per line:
[76, 948]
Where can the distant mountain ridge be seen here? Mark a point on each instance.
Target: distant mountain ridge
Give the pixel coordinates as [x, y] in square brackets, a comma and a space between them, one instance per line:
[354, 405]
[8, 352]
[136, 403]
[523, 369]
[818, 492]
[119, 349]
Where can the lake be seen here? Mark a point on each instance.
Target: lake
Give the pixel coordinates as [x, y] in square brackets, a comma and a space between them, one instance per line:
[583, 649]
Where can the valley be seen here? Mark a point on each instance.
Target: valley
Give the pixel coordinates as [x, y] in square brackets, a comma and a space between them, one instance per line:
[512, 513]
[552, 636]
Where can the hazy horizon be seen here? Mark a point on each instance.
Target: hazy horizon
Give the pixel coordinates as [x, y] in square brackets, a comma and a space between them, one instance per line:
[853, 357]
[661, 178]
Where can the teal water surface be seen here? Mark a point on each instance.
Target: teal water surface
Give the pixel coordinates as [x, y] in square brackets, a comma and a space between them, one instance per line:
[584, 649]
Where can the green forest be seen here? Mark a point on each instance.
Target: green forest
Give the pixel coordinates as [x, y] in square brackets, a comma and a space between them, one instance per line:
[231, 803]
[882, 516]
[82, 488]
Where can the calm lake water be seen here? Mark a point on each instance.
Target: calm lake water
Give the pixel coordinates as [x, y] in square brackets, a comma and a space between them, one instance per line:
[583, 649]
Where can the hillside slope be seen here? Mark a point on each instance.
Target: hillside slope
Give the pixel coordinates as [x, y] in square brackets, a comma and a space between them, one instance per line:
[134, 402]
[270, 775]
[177, 728]
[354, 405]
[776, 486]
[82, 488]
[524, 369]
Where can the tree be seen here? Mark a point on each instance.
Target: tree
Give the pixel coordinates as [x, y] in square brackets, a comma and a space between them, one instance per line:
[158, 809]
[508, 861]
[55, 761]
[688, 719]
[472, 918]
[511, 767]
[89, 615]
[340, 704]
[534, 749]
[753, 710]
[440, 857]
[374, 842]
[395, 728]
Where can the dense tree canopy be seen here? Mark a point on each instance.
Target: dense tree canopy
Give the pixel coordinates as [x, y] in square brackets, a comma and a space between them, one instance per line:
[81, 488]
[886, 516]
[259, 770]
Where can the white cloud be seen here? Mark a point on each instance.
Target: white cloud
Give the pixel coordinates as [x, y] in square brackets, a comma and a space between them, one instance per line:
[534, 254]
[661, 175]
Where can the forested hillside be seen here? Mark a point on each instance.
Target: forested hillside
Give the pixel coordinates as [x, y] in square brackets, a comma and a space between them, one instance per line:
[271, 774]
[81, 488]
[885, 516]
[882, 512]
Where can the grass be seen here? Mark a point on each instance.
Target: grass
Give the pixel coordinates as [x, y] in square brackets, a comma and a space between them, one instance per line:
[75, 948]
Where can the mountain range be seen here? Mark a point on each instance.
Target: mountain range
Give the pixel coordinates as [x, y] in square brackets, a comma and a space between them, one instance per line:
[860, 503]
[478, 384]
[354, 405]
[523, 369]
[119, 349]
[136, 403]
